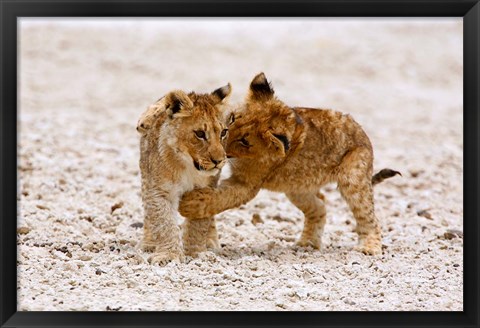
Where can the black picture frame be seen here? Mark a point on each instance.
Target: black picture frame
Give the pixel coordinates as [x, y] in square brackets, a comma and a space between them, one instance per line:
[11, 10]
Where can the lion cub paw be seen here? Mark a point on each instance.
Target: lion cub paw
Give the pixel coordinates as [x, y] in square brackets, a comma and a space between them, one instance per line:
[150, 248]
[213, 244]
[193, 204]
[193, 251]
[369, 247]
[309, 242]
[165, 257]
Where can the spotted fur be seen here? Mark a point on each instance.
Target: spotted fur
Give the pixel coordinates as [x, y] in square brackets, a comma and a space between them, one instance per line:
[295, 151]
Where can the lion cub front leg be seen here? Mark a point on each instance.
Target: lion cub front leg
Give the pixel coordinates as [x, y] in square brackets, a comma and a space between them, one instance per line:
[195, 235]
[212, 236]
[161, 233]
[206, 202]
[313, 207]
[199, 235]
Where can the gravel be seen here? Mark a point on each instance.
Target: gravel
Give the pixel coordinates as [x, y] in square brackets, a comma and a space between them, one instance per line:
[83, 87]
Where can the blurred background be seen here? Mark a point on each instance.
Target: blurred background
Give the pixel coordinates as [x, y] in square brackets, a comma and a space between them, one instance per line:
[371, 68]
[83, 84]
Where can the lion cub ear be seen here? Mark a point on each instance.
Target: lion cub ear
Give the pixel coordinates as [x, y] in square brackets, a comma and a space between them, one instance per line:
[177, 103]
[221, 93]
[280, 143]
[260, 88]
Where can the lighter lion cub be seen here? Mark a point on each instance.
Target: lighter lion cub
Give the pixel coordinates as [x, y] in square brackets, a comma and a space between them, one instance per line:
[296, 151]
[181, 147]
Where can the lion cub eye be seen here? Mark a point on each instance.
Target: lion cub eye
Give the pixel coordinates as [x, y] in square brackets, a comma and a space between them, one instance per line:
[244, 142]
[201, 135]
[224, 133]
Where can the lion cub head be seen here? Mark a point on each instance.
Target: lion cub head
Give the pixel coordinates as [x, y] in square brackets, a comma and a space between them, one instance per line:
[192, 125]
[264, 127]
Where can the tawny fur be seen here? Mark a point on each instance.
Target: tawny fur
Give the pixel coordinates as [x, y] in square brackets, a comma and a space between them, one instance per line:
[295, 151]
[175, 157]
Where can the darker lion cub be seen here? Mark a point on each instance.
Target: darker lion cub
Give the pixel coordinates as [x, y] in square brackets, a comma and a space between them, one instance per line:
[296, 151]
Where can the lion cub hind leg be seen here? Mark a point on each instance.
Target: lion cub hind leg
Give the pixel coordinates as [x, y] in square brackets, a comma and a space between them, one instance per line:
[313, 207]
[354, 182]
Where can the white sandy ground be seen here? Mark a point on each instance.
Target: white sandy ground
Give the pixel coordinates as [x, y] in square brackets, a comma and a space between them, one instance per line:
[83, 87]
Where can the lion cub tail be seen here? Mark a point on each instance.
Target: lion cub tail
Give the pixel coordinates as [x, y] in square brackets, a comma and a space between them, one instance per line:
[384, 174]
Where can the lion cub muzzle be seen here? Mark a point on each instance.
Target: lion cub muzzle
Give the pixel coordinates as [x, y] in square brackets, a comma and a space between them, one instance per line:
[210, 165]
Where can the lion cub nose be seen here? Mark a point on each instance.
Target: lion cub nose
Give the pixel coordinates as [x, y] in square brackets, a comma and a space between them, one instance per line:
[214, 161]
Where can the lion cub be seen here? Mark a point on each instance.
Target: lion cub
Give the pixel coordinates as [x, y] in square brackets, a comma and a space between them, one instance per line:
[181, 147]
[296, 151]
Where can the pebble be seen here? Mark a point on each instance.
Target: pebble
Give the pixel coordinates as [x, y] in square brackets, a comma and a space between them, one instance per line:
[280, 218]
[116, 206]
[302, 293]
[349, 302]
[316, 280]
[425, 214]
[281, 305]
[256, 219]
[261, 205]
[23, 230]
[69, 266]
[137, 225]
[415, 173]
[239, 222]
[108, 308]
[452, 233]
[63, 249]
